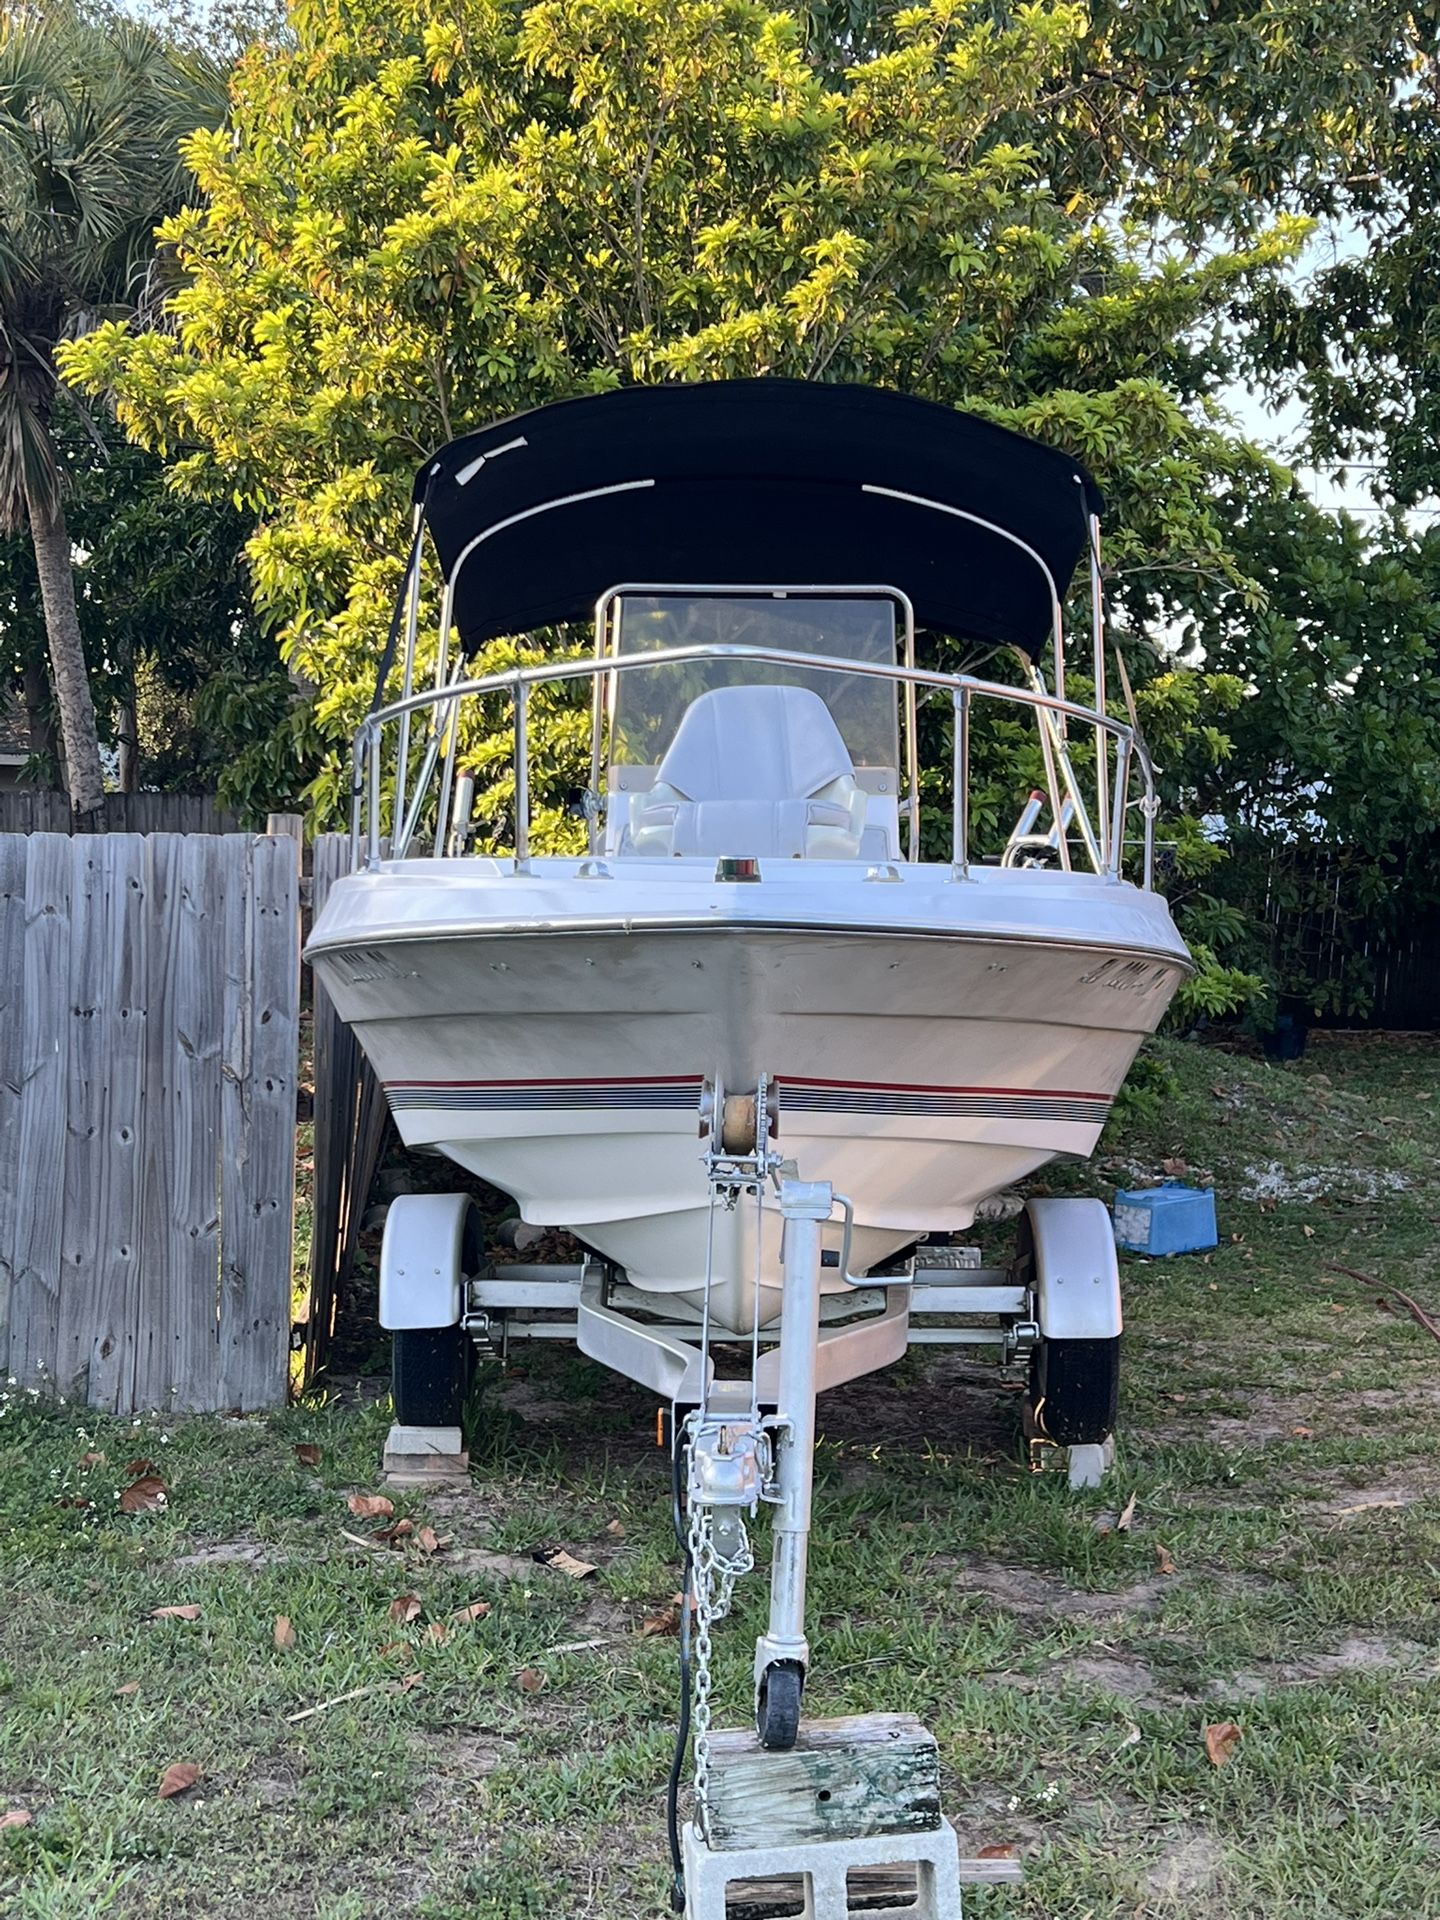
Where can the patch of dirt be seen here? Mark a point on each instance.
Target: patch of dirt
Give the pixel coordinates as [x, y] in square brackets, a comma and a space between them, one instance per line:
[1360, 1653]
[1023, 1590]
[1358, 1501]
[1275, 1416]
[463, 1754]
[233, 1553]
[272, 1791]
[1190, 1865]
[958, 1405]
[1126, 1679]
[500, 1566]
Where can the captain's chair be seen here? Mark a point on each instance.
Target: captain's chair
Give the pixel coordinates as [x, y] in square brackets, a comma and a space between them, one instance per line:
[753, 771]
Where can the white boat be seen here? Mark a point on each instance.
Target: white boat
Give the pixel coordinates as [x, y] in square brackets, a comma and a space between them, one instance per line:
[793, 977]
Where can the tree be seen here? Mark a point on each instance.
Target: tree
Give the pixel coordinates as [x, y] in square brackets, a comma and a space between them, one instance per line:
[188, 690]
[418, 220]
[90, 114]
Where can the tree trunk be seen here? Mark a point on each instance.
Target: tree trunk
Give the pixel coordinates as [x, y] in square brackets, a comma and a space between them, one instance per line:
[67, 657]
[127, 742]
[40, 717]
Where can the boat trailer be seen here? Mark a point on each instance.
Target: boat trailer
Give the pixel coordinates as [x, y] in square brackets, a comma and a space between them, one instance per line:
[843, 1797]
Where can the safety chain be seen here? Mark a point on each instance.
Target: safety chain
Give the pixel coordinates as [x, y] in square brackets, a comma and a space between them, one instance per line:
[714, 1575]
[702, 1562]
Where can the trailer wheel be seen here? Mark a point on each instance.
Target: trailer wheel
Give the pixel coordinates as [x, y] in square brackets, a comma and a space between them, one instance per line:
[430, 1375]
[1075, 1390]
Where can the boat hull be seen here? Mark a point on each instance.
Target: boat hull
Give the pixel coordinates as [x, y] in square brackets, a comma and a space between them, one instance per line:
[918, 1067]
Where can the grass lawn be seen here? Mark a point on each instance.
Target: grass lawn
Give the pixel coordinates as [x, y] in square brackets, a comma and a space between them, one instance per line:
[1279, 1437]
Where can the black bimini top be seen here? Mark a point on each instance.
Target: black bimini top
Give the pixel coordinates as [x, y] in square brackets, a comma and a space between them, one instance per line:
[756, 483]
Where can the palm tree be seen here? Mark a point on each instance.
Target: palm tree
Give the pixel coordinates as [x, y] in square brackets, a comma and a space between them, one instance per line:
[91, 109]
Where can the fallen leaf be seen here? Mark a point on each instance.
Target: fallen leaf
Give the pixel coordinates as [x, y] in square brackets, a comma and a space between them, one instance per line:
[998, 1853]
[529, 1680]
[666, 1621]
[91, 1460]
[1178, 1398]
[370, 1506]
[130, 1686]
[397, 1650]
[284, 1632]
[412, 1680]
[1303, 1433]
[563, 1562]
[187, 1612]
[308, 1454]
[476, 1610]
[1174, 1167]
[1337, 1306]
[178, 1779]
[398, 1532]
[1221, 1739]
[616, 1527]
[74, 1500]
[137, 1468]
[147, 1495]
[1163, 1559]
[17, 1817]
[404, 1609]
[438, 1632]
[1309, 1232]
[1122, 1525]
[427, 1540]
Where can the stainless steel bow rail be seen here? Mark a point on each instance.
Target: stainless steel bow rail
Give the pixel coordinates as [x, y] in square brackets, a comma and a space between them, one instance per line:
[1102, 838]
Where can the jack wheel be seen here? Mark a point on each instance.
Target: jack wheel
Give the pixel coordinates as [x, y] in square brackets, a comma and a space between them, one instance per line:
[777, 1706]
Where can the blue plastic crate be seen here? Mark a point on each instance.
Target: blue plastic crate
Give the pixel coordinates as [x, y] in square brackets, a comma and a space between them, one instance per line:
[1169, 1219]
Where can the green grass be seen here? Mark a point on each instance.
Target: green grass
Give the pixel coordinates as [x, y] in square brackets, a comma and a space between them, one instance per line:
[1283, 1453]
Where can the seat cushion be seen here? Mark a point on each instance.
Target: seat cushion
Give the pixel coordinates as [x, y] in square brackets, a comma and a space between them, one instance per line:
[752, 771]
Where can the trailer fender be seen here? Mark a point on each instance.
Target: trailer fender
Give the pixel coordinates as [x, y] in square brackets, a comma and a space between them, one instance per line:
[428, 1237]
[1076, 1274]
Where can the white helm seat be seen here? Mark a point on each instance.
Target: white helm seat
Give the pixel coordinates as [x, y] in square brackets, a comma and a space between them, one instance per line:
[751, 772]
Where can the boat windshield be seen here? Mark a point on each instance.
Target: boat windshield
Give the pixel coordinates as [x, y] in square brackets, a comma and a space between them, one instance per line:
[647, 708]
[751, 733]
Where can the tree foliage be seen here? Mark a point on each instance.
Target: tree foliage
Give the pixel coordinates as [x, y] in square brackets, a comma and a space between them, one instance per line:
[165, 613]
[91, 108]
[417, 220]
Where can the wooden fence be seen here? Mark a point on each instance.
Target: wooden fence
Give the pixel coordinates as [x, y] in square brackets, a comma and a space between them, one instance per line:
[37, 810]
[350, 1123]
[149, 992]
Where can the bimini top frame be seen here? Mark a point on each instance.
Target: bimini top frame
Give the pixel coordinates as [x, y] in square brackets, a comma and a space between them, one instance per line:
[738, 480]
[979, 531]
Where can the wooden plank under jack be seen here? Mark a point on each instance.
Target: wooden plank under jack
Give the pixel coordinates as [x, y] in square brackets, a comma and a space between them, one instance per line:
[851, 1779]
[844, 1779]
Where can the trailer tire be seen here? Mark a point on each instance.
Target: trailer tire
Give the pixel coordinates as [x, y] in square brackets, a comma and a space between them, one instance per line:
[1075, 1390]
[430, 1375]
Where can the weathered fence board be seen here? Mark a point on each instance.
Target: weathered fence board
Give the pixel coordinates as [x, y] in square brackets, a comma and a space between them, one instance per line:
[260, 1224]
[117, 1269]
[39, 1193]
[149, 1012]
[12, 1048]
[38, 810]
[350, 1121]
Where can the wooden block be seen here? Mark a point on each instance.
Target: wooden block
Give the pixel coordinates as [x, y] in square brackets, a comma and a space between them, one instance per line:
[844, 1779]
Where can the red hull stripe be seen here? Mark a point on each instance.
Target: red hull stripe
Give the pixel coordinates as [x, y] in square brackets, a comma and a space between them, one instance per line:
[677, 1093]
[790, 1080]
